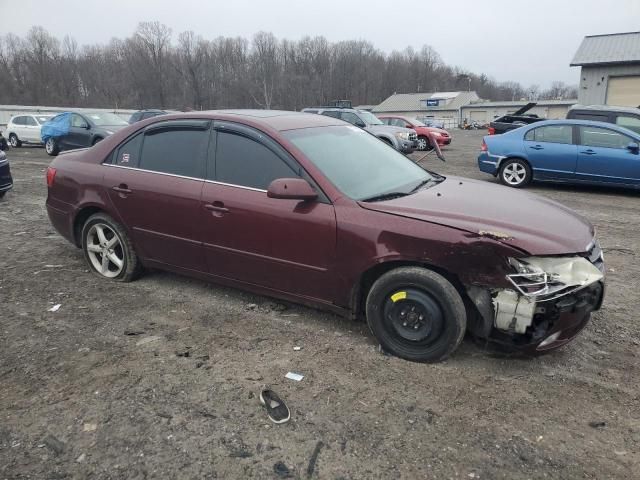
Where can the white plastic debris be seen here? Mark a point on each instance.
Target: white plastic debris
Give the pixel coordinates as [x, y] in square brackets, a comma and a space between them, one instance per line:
[297, 349]
[294, 376]
[146, 340]
[55, 308]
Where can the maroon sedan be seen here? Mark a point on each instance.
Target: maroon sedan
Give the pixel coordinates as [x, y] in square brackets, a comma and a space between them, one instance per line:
[310, 209]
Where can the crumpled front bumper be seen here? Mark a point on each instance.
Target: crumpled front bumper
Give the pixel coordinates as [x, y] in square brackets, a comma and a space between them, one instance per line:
[558, 322]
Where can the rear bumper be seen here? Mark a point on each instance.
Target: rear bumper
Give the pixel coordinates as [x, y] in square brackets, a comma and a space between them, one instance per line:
[61, 218]
[488, 163]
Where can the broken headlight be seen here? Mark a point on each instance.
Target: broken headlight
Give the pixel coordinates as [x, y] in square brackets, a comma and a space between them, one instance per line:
[548, 277]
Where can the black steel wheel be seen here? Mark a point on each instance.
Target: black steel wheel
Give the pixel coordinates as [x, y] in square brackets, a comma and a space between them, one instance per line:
[416, 314]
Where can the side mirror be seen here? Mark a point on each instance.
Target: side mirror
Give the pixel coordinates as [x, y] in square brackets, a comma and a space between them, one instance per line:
[86, 126]
[291, 189]
[633, 147]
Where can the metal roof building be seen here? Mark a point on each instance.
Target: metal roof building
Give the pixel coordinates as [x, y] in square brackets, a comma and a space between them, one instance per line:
[442, 106]
[610, 69]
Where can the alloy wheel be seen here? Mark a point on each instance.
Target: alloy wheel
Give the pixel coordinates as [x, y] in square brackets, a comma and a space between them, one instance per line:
[13, 140]
[105, 251]
[514, 174]
[48, 146]
[422, 143]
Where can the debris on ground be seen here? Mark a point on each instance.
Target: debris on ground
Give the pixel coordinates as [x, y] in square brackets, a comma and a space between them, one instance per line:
[297, 349]
[314, 458]
[294, 376]
[89, 427]
[53, 444]
[145, 340]
[55, 308]
[598, 424]
[281, 470]
[132, 332]
[81, 458]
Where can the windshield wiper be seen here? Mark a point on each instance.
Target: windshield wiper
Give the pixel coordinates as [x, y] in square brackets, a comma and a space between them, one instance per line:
[435, 181]
[385, 196]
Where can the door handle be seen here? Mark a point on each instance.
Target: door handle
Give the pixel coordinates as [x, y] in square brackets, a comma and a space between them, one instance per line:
[122, 188]
[537, 147]
[588, 152]
[216, 207]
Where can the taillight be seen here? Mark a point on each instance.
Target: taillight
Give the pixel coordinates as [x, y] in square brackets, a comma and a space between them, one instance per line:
[492, 131]
[483, 147]
[51, 175]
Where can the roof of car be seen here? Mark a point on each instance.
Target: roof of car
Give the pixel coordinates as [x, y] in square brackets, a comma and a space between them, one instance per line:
[571, 121]
[276, 119]
[606, 108]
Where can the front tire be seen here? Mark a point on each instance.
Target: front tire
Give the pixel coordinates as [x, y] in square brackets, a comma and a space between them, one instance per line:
[108, 249]
[416, 314]
[14, 141]
[51, 147]
[423, 143]
[515, 173]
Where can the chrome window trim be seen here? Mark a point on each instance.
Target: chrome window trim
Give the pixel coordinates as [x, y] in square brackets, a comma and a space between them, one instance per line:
[185, 177]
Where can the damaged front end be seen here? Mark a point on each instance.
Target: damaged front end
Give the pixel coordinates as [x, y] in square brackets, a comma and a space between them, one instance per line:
[550, 301]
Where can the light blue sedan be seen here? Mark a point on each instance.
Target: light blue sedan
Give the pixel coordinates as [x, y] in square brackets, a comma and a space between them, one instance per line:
[573, 151]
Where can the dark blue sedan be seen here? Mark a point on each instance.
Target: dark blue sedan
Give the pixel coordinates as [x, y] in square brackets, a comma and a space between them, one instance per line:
[573, 151]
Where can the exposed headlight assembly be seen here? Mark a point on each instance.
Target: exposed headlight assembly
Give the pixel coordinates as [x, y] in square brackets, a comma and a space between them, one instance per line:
[545, 278]
[402, 135]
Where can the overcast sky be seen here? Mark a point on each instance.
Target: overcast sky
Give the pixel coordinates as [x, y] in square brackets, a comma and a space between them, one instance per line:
[530, 42]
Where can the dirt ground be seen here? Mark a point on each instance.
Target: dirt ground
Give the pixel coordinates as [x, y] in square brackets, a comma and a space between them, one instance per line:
[159, 378]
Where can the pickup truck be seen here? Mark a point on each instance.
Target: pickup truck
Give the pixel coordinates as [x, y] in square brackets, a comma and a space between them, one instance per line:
[404, 140]
[514, 120]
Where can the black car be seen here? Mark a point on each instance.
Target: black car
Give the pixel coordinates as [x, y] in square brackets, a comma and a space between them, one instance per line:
[6, 182]
[144, 114]
[514, 120]
[627, 117]
[81, 130]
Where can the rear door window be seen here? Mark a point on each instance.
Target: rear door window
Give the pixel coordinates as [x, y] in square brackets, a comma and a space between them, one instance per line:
[128, 154]
[245, 162]
[19, 121]
[175, 150]
[30, 122]
[603, 138]
[630, 122]
[551, 134]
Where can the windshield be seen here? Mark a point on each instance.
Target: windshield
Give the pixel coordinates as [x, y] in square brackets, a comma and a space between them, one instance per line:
[105, 118]
[360, 165]
[369, 117]
[418, 123]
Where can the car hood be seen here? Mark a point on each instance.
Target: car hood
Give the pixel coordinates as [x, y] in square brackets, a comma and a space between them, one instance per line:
[525, 221]
[111, 128]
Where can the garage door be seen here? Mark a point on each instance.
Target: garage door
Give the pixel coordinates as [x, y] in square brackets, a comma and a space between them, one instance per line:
[479, 116]
[624, 91]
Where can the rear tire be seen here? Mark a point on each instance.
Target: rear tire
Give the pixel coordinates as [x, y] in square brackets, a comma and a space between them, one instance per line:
[515, 172]
[51, 147]
[14, 141]
[2, 194]
[416, 314]
[108, 249]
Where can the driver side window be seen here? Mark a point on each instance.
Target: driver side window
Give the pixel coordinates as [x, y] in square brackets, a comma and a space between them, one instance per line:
[77, 121]
[352, 118]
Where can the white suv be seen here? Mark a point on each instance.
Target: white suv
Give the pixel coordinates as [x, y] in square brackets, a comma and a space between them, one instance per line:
[25, 129]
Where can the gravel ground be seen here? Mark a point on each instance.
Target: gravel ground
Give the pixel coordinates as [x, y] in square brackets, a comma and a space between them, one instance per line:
[159, 378]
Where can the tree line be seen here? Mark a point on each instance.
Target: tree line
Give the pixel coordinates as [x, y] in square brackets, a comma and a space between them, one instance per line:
[151, 70]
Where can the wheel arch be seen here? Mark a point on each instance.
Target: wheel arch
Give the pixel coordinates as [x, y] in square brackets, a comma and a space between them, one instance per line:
[366, 280]
[513, 157]
[387, 139]
[81, 217]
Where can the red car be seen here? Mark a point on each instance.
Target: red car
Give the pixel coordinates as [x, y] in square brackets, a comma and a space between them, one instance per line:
[310, 209]
[441, 135]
